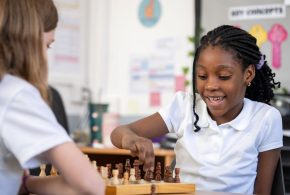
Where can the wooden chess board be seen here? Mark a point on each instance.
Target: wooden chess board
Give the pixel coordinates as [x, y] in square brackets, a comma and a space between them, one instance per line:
[145, 188]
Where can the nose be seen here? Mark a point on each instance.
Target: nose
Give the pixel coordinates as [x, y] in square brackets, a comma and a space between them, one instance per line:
[211, 84]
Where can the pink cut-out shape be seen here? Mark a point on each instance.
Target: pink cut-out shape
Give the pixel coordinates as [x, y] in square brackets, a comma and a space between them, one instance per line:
[155, 99]
[180, 83]
[276, 36]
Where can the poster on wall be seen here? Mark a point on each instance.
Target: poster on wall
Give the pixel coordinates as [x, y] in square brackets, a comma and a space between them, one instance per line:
[65, 54]
[149, 12]
[153, 73]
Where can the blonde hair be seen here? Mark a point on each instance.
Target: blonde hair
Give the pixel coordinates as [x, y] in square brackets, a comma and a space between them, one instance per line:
[21, 42]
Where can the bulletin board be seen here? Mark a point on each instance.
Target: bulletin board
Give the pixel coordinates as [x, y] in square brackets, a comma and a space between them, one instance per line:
[267, 20]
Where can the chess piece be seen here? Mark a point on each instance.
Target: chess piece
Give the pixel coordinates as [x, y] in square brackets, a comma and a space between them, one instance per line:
[153, 189]
[126, 178]
[42, 170]
[53, 171]
[132, 177]
[115, 180]
[109, 166]
[104, 174]
[138, 176]
[148, 175]
[136, 166]
[168, 175]
[128, 166]
[120, 167]
[87, 157]
[177, 178]
[158, 172]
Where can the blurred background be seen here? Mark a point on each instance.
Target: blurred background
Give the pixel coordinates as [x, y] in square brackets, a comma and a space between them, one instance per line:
[115, 61]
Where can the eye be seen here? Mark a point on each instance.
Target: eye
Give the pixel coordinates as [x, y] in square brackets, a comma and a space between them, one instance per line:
[202, 77]
[48, 46]
[225, 77]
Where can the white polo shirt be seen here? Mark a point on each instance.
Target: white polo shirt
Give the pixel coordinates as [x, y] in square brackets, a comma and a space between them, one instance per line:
[221, 157]
[27, 128]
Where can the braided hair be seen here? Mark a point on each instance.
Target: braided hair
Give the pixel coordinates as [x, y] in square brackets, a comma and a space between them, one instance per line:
[244, 49]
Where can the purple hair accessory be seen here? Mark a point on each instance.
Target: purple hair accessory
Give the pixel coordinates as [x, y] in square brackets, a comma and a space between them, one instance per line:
[261, 62]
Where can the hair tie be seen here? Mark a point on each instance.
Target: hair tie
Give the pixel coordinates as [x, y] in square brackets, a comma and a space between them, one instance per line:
[261, 62]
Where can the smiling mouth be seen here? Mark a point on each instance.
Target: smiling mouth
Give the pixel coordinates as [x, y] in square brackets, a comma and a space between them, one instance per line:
[215, 100]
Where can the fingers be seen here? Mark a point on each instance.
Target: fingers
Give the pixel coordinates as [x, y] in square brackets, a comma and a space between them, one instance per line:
[143, 149]
[146, 154]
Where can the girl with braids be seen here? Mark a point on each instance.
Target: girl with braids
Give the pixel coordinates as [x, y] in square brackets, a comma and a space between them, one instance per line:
[29, 133]
[229, 137]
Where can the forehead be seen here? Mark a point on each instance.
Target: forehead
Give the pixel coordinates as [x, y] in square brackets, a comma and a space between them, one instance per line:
[216, 55]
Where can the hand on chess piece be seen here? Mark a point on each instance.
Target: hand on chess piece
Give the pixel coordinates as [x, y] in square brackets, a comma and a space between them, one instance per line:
[140, 147]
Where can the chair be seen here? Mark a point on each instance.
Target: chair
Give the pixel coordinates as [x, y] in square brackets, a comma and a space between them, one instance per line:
[58, 109]
[278, 186]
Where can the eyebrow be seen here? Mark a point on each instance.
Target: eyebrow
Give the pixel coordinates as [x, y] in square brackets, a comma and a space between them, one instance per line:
[221, 66]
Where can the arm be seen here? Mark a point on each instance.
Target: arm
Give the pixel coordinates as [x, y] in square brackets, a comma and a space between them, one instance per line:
[136, 137]
[77, 174]
[267, 163]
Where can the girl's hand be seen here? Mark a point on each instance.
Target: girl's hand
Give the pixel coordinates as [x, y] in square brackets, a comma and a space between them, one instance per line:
[142, 148]
[23, 188]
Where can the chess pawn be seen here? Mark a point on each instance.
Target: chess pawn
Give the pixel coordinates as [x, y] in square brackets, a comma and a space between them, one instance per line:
[126, 178]
[132, 177]
[53, 171]
[115, 179]
[87, 157]
[177, 178]
[42, 170]
[104, 174]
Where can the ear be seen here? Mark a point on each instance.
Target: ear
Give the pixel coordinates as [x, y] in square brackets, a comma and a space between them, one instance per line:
[249, 74]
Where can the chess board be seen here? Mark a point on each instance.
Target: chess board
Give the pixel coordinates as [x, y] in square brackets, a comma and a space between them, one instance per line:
[145, 188]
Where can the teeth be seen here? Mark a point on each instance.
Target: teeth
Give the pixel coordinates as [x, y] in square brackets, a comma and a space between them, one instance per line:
[215, 98]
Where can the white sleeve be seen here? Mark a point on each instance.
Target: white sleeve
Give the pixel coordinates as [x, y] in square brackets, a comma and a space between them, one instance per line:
[30, 128]
[273, 134]
[174, 113]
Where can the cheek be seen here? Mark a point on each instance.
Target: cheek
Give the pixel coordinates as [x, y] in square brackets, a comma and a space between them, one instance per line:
[199, 85]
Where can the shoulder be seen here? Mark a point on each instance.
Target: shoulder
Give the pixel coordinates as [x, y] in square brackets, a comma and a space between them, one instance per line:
[17, 96]
[11, 86]
[262, 109]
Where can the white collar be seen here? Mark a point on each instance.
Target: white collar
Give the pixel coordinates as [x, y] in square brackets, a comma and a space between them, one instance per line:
[239, 123]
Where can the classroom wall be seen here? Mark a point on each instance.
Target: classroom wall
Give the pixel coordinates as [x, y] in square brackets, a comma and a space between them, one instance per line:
[103, 53]
[97, 43]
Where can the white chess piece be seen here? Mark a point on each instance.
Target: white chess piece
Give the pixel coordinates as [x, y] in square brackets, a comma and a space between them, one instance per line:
[132, 177]
[115, 179]
[42, 170]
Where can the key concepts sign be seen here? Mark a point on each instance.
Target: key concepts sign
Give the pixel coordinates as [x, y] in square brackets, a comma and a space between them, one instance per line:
[257, 12]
